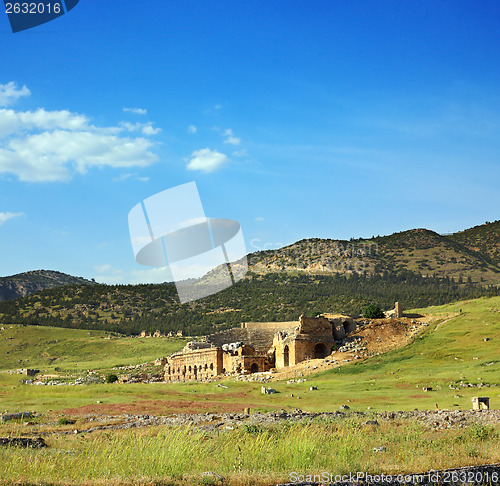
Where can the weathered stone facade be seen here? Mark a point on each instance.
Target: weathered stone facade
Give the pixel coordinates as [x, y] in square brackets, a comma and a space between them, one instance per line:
[258, 347]
[313, 338]
[201, 363]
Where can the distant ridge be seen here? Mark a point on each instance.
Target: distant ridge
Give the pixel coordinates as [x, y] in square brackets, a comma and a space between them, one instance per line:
[470, 254]
[27, 283]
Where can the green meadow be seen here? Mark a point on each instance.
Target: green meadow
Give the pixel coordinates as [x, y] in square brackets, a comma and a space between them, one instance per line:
[444, 353]
[460, 345]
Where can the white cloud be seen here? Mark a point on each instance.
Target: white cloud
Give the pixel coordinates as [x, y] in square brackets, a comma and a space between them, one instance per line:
[129, 175]
[108, 275]
[145, 128]
[259, 218]
[137, 111]
[9, 93]
[206, 160]
[55, 156]
[44, 146]
[231, 139]
[240, 153]
[218, 106]
[192, 129]
[103, 268]
[150, 130]
[4, 217]
[153, 275]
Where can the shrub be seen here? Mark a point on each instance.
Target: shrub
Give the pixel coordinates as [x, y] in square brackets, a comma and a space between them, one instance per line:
[65, 421]
[373, 311]
[111, 378]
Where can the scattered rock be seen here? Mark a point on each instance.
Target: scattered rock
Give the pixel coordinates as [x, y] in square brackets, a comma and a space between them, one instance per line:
[36, 443]
[15, 416]
[371, 422]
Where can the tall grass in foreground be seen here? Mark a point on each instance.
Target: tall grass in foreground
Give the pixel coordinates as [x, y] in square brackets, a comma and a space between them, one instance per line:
[248, 455]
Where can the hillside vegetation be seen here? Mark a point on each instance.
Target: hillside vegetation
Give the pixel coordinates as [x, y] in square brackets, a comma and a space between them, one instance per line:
[471, 254]
[28, 283]
[280, 296]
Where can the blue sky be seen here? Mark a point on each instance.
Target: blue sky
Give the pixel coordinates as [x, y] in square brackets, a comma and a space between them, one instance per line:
[298, 119]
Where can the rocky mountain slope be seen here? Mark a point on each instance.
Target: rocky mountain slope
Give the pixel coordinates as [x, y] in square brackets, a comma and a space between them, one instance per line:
[471, 254]
[28, 283]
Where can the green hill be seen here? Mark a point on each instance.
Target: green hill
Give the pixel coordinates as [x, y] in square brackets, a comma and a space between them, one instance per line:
[282, 296]
[27, 283]
[474, 254]
[483, 239]
[48, 348]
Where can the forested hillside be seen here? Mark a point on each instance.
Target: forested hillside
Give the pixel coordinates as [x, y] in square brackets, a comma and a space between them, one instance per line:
[272, 297]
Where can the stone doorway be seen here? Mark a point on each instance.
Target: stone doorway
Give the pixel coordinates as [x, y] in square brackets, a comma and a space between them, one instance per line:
[286, 356]
[320, 351]
[254, 368]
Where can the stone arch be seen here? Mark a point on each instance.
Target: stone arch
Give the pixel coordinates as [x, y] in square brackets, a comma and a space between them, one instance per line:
[286, 356]
[211, 366]
[345, 325]
[320, 350]
[254, 368]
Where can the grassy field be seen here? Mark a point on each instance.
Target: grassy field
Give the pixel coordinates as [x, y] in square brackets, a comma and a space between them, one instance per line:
[452, 349]
[247, 455]
[71, 350]
[442, 355]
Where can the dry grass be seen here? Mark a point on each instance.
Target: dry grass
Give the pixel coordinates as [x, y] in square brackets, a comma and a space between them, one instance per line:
[247, 455]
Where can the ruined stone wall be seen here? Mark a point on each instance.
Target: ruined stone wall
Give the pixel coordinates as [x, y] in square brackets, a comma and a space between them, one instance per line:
[246, 364]
[199, 364]
[269, 325]
[314, 339]
[284, 351]
[341, 325]
[315, 325]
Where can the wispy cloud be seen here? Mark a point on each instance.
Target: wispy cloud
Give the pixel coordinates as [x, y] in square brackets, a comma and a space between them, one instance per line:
[45, 146]
[10, 93]
[259, 218]
[231, 139]
[153, 275]
[137, 111]
[192, 129]
[4, 217]
[107, 274]
[130, 175]
[240, 153]
[144, 128]
[207, 160]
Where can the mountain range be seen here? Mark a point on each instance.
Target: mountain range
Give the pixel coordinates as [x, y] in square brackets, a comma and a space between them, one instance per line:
[469, 255]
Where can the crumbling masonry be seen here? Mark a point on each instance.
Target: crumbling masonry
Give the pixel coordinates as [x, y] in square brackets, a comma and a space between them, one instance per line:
[259, 346]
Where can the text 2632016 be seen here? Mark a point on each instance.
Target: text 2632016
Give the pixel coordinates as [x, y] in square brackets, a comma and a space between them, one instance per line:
[33, 8]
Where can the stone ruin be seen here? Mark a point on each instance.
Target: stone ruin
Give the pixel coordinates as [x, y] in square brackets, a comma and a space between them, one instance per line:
[480, 403]
[259, 347]
[396, 313]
